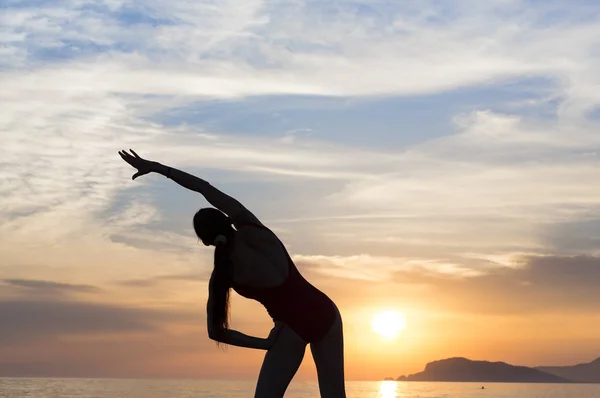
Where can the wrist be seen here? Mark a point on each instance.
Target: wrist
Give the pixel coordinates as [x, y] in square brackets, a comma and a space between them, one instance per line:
[159, 168]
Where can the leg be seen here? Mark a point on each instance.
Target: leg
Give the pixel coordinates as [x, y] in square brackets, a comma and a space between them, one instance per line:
[280, 364]
[328, 354]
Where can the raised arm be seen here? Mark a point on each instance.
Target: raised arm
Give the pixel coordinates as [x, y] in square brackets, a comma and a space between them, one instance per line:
[214, 196]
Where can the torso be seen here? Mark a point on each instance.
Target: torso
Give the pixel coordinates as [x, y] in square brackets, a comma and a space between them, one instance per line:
[258, 258]
[262, 270]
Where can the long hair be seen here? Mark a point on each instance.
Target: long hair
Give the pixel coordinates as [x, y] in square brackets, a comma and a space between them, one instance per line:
[208, 224]
[220, 288]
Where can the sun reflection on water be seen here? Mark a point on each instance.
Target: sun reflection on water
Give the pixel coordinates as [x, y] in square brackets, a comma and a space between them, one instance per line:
[387, 389]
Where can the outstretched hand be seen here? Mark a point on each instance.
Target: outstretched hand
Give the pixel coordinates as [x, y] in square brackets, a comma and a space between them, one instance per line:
[143, 166]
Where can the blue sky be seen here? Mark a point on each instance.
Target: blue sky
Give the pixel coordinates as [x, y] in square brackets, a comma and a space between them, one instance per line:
[376, 138]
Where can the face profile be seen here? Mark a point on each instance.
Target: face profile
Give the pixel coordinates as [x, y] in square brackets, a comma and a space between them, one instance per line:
[209, 223]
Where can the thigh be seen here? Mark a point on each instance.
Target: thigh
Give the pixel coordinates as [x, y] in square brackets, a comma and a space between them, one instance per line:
[281, 362]
[328, 354]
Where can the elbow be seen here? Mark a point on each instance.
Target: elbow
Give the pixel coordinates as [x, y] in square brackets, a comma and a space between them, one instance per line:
[212, 334]
[216, 334]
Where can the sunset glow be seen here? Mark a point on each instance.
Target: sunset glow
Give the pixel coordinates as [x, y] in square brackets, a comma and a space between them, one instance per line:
[389, 324]
[432, 166]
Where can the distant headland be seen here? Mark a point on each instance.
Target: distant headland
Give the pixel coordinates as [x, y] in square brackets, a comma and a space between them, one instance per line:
[465, 370]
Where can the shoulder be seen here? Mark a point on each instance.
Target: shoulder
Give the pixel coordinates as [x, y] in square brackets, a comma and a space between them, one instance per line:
[257, 235]
[244, 217]
[254, 233]
[260, 238]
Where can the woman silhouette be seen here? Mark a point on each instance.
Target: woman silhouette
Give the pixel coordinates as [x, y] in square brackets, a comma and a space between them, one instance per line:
[252, 260]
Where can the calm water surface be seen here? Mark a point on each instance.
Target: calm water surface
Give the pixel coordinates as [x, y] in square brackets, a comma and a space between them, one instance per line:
[139, 388]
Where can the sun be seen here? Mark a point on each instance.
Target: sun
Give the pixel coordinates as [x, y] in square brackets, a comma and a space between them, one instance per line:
[388, 324]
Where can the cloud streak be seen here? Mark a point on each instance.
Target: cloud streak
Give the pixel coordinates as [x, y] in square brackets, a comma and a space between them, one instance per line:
[245, 48]
[156, 280]
[87, 101]
[539, 284]
[526, 284]
[49, 287]
[34, 319]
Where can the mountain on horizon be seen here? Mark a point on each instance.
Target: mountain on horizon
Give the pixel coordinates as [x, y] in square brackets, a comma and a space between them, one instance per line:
[460, 369]
[582, 373]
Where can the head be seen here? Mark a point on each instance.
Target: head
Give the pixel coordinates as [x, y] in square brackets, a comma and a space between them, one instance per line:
[210, 223]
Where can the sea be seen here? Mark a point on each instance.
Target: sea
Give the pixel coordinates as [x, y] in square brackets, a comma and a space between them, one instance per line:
[146, 388]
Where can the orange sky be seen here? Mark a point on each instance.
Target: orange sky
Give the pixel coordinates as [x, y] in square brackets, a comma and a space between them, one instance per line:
[107, 309]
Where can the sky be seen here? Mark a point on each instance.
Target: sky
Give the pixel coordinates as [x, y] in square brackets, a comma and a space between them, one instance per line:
[438, 158]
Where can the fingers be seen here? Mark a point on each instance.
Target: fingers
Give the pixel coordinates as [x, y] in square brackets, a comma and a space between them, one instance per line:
[136, 155]
[126, 157]
[125, 154]
[133, 161]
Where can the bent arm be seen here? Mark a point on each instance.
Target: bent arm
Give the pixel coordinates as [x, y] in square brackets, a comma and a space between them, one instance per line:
[215, 197]
[232, 337]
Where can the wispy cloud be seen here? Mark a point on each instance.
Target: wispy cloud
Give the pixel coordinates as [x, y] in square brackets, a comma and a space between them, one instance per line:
[379, 268]
[208, 51]
[533, 284]
[33, 319]
[95, 339]
[41, 287]
[155, 280]
[243, 48]
[540, 284]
